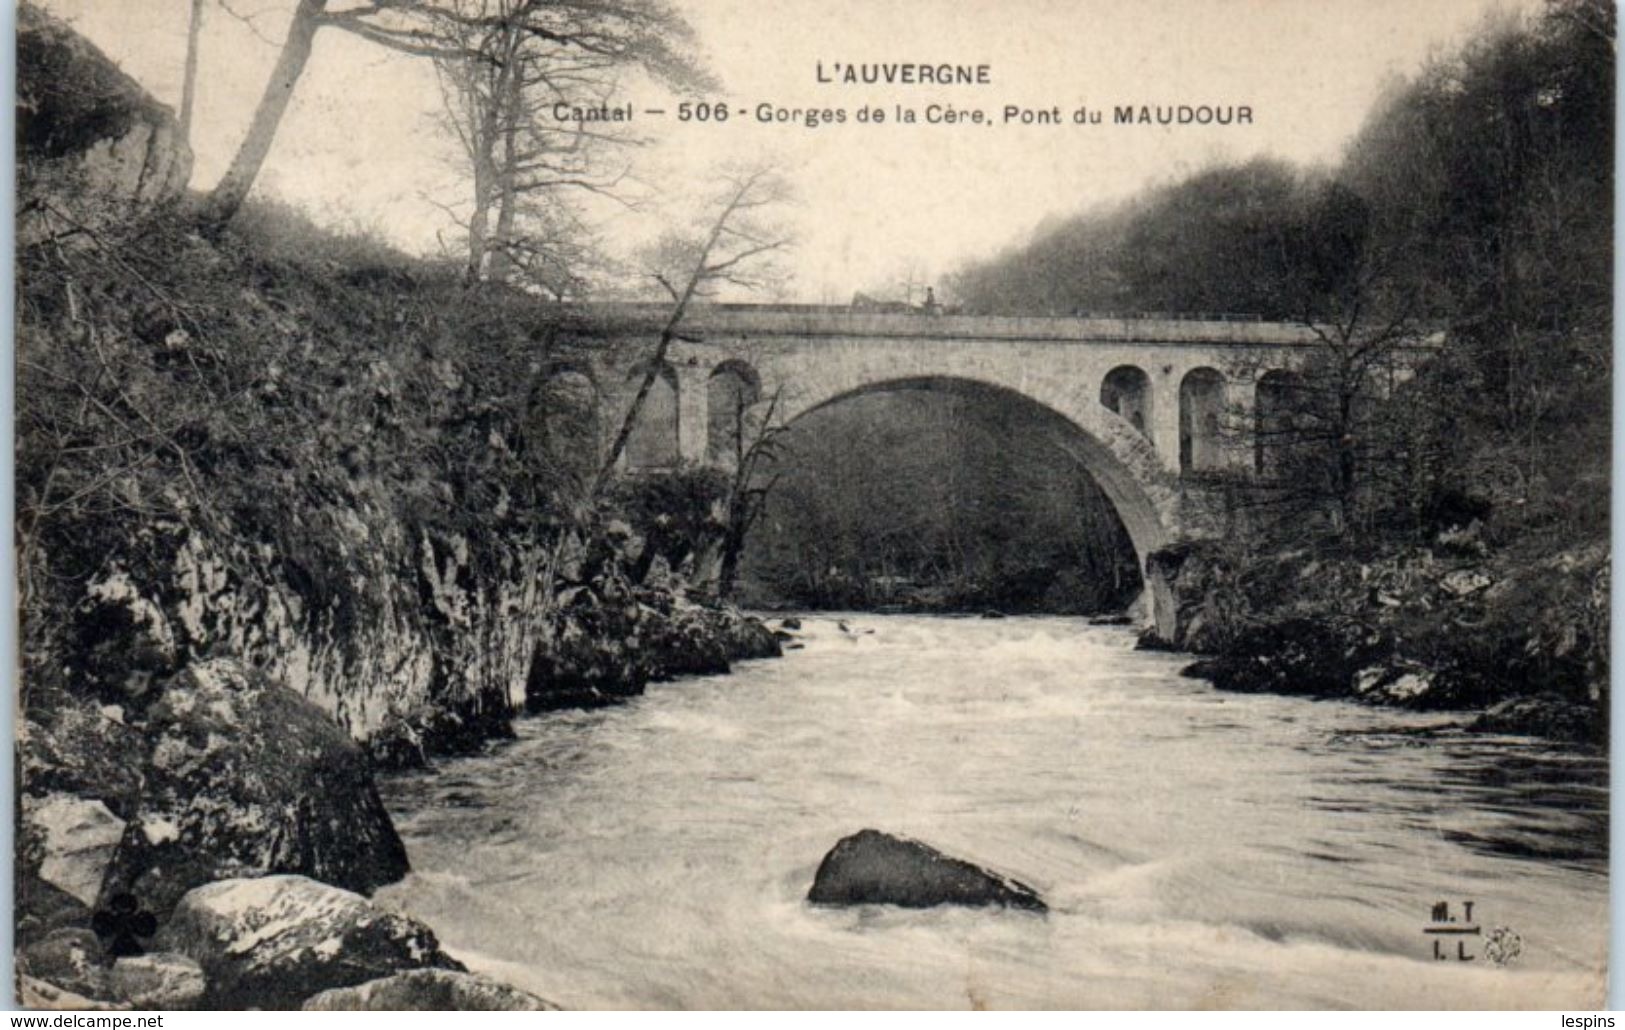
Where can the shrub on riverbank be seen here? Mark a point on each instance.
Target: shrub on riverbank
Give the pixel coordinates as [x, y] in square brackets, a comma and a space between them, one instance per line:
[1521, 633]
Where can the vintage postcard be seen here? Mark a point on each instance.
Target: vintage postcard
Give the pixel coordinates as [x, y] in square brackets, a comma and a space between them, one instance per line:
[811, 504]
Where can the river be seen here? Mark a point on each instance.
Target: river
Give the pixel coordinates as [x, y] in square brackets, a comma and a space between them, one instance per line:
[1197, 849]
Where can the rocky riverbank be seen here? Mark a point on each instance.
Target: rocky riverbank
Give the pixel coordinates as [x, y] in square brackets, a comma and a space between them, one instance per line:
[291, 508]
[1516, 639]
[220, 806]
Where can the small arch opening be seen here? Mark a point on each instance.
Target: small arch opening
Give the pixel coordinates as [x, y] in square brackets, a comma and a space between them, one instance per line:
[564, 416]
[732, 391]
[1278, 406]
[1127, 391]
[1201, 406]
[653, 443]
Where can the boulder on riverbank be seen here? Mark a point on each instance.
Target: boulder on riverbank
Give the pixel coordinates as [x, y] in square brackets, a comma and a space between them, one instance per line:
[1395, 683]
[749, 638]
[875, 868]
[218, 773]
[74, 962]
[80, 780]
[686, 639]
[43, 908]
[592, 656]
[691, 639]
[163, 980]
[76, 840]
[1306, 657]
[70, 959]
[428, 990]
[34, 993]
[439, 727]
[245, 778]
[1544, 715]
[1517, 635]
[610, 640]
[73, 746]
[1193, 597]
[274, 941]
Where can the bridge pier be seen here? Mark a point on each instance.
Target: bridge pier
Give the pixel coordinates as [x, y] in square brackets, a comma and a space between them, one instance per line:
[693, 414]
[1165, 416]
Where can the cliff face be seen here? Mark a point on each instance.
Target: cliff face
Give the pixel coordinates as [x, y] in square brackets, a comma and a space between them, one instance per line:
[415, 625]
[290, 506]
[303, 452]
[350, 479]
[280, 523]
[96, 138]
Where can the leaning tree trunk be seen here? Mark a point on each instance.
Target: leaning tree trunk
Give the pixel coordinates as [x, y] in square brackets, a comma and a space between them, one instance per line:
[189, 76]
[1347, 472]
[479, 224]
[228, 196]
[507, 179]
[701, 273]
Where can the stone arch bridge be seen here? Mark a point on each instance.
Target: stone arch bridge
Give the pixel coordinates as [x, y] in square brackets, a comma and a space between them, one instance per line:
[1137, 401]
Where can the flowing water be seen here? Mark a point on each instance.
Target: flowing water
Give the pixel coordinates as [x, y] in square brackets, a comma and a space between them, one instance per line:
[1196, 849]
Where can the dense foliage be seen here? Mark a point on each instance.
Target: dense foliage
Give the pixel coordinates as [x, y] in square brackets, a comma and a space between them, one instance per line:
[1456, 520]
[1259, 238]
[1474, 209]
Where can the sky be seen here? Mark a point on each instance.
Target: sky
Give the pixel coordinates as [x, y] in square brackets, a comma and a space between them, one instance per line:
[875, 204]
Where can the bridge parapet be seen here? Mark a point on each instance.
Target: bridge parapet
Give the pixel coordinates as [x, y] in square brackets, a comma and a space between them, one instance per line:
[814, 321]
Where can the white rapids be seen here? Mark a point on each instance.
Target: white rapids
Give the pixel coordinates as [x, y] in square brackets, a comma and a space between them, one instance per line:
[1197, 849]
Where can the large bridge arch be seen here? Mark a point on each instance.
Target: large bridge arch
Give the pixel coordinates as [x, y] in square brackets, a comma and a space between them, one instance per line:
[1105, 444]
[1160, 476]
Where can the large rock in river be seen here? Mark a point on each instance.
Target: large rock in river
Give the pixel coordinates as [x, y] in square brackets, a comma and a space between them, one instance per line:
[246, 778]
[875, 868]
[272, 942]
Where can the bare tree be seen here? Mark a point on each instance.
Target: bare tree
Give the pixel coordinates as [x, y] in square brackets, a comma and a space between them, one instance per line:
[758, 445]
[1322, 437]
[1328, 440]
[732, 251]
[625, 32]
[520, 160]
